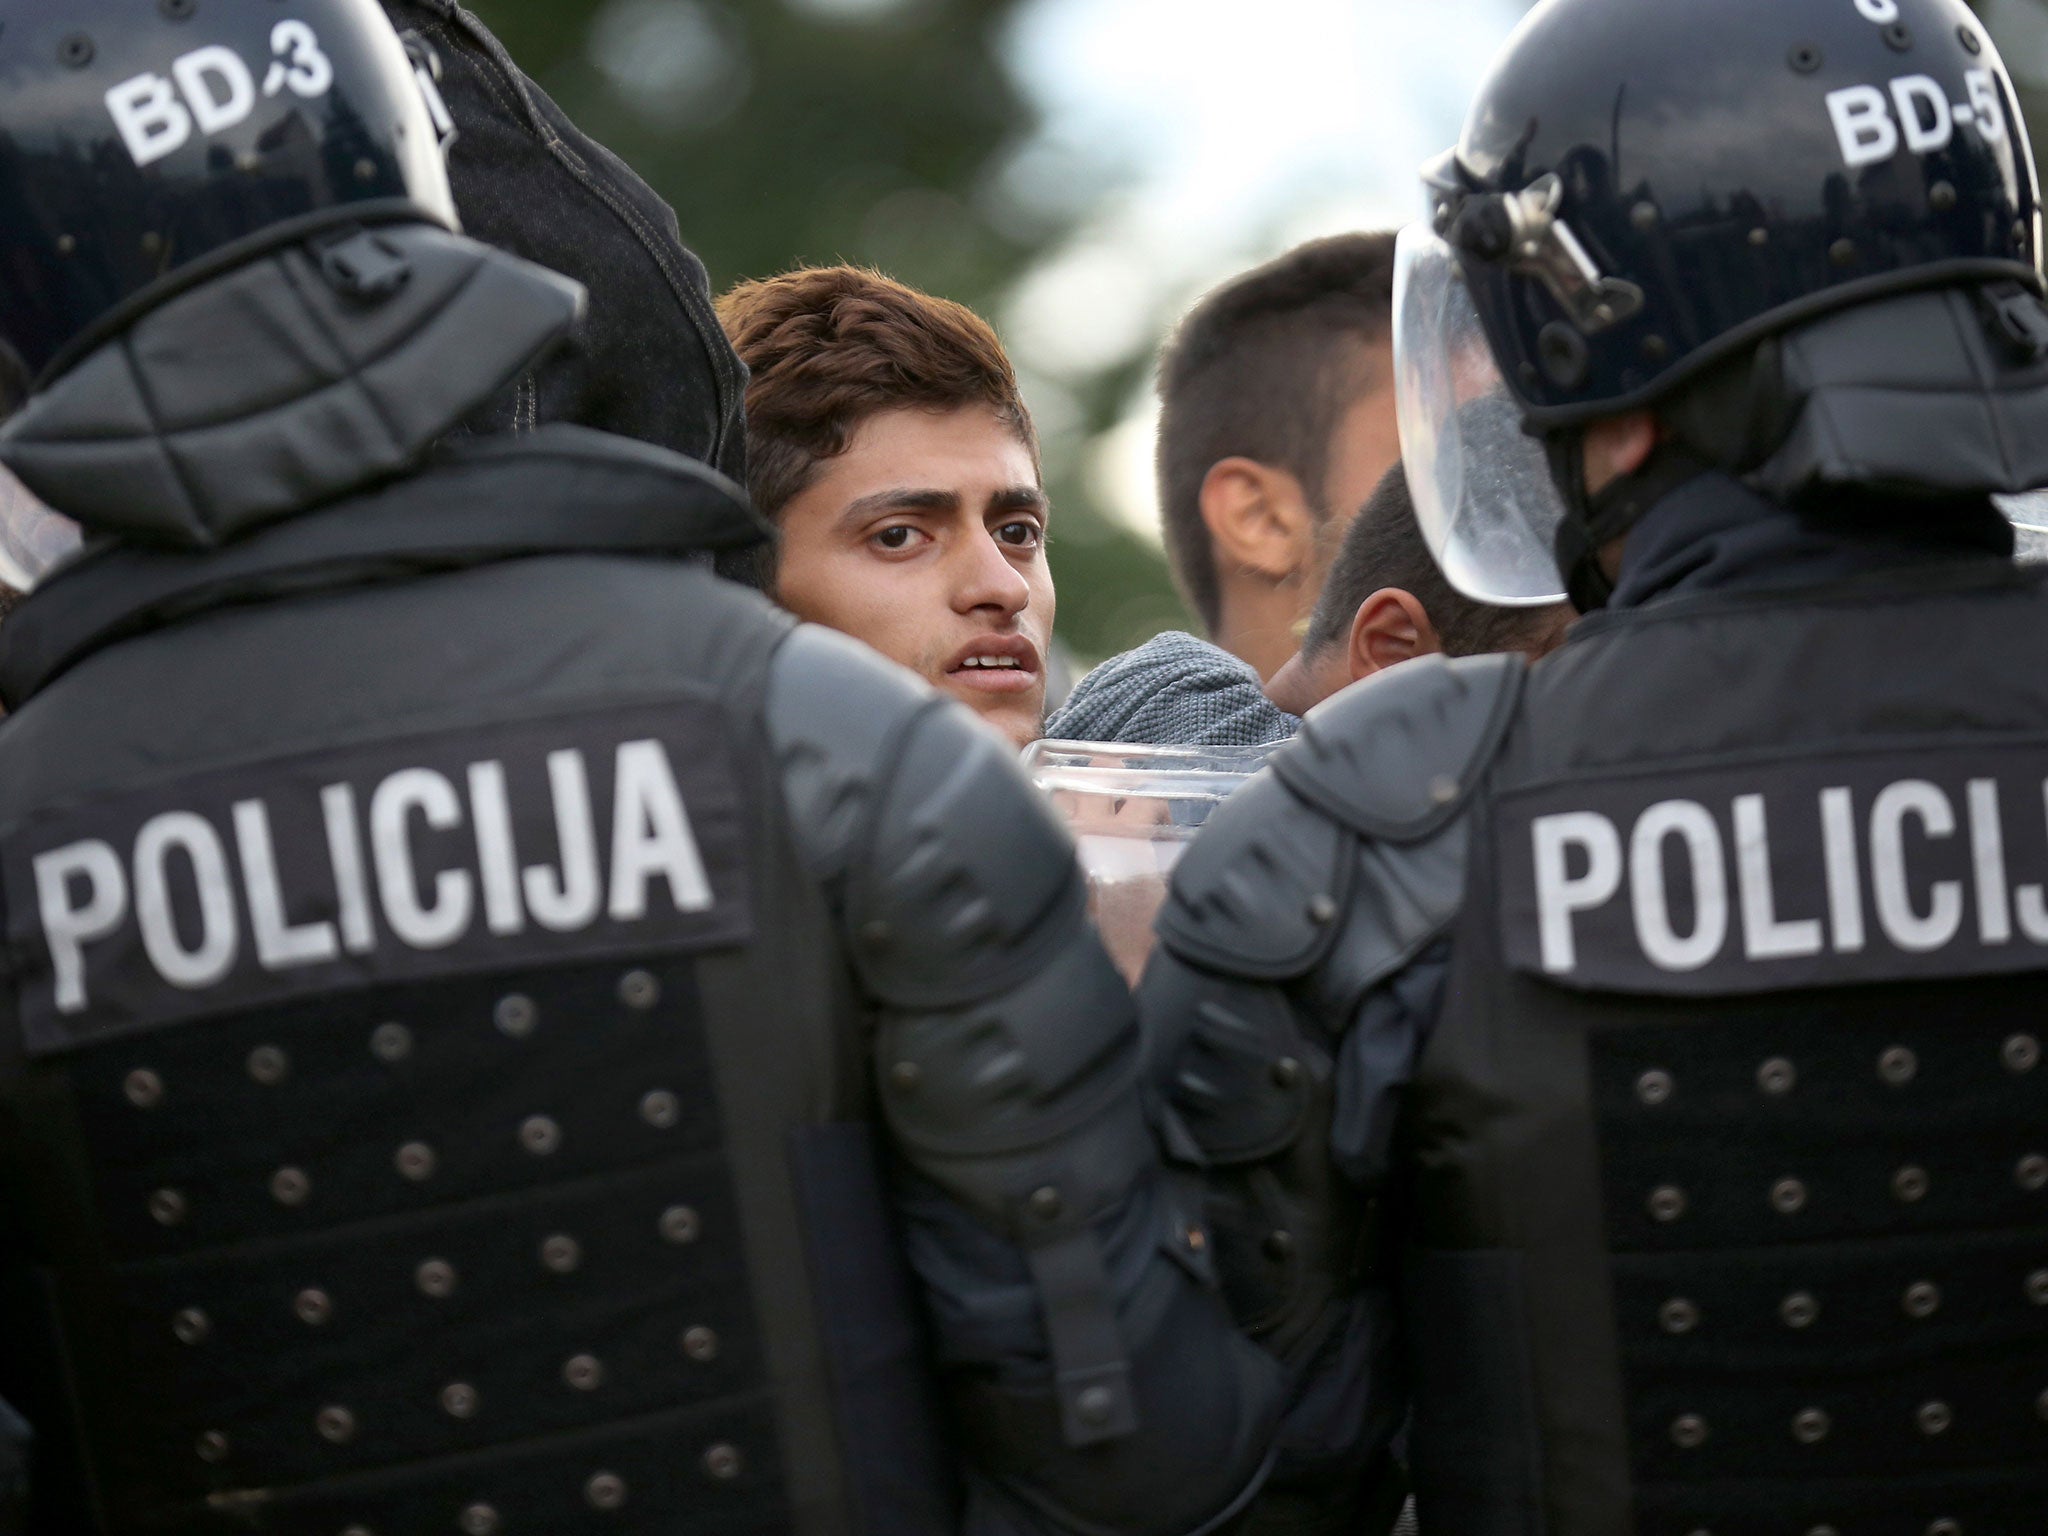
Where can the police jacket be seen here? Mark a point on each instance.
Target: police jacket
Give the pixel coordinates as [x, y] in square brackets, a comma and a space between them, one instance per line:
[489, 1006]
[1631, 1065]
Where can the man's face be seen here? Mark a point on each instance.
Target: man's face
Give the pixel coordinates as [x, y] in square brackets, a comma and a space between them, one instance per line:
[926, 540]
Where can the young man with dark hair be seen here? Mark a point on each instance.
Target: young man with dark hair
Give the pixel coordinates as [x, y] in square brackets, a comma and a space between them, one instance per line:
[1277, 397]
[1387, 602]
[888, 442]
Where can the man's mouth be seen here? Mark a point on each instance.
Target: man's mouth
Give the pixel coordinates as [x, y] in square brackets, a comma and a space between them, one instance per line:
[997, 664]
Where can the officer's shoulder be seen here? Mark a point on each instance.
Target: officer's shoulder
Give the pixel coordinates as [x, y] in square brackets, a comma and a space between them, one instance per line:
[1257, 893]
[1261, 891]
[837, 718]
[826, 687]
[1396, 757]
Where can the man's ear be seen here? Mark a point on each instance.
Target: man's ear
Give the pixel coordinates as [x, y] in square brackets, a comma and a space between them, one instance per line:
[1259, 520]
[1390, 627]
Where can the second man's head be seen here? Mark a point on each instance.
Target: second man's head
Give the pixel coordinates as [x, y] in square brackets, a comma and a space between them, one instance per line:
[1277, 420]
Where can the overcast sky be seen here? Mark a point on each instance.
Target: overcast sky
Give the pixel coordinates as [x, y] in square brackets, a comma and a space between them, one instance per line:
[1207, 135]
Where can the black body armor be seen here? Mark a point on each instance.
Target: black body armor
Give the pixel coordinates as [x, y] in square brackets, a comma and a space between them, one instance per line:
[453, 946]
[1313, 888]
[1730, 1153]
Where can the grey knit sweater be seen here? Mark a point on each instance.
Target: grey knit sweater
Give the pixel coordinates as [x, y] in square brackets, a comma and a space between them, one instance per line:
[1173, 690]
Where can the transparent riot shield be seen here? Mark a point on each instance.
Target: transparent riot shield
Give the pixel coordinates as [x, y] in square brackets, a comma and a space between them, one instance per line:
[1133, 811]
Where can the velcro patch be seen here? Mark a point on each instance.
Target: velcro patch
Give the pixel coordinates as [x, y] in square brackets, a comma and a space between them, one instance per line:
[1878, 866]
[610, 832]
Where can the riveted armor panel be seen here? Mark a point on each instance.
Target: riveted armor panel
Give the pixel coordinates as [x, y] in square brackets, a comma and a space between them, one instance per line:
[1396, 761]
[1006, 1060]
[433, 1093]
[1730, 1193]
[528, 1164]
[451, 942]
[1317, 881]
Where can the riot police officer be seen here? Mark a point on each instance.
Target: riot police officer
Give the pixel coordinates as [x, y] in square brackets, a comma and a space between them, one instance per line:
[458, 949]
[1641, 1052]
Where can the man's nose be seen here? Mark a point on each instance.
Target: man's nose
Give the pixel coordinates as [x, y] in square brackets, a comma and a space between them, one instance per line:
[986, 577]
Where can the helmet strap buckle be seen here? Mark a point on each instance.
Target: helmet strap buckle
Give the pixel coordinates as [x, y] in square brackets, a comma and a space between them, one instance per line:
[360, 265]
[2018, 320]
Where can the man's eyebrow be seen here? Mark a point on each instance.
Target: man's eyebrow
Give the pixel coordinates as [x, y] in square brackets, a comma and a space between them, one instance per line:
[1020, 498]
[897, 499]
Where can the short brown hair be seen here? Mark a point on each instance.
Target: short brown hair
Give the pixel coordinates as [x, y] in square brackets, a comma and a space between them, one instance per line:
[1264, 368]
[1384, 547]
[828, 347]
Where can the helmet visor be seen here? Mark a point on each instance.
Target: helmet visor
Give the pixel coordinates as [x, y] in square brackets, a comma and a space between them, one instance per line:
[33, 539]
[1483, 493]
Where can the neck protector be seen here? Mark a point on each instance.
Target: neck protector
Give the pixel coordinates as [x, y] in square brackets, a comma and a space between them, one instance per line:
[316, 370]
[1919, 404]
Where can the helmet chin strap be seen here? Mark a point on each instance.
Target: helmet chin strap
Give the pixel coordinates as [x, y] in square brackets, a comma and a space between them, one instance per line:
[1593, 521]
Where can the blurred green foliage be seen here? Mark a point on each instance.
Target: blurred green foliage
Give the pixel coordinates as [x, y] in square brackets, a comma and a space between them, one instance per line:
[883, 132]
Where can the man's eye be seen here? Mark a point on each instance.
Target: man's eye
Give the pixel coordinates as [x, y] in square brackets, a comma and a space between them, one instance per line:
[1020, 535]
[898, 538]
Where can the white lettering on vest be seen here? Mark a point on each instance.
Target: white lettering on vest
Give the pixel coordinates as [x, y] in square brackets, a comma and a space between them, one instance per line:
[1764, 935]
[1987, 863]
[1558, 893]
[651, 836]
[345, 852]
[497, 860]
[401, 870]
[69, 926]
[1844, 875]
[566, 901]
[422, 925]
[219, 938]
[1902, 924]
[1694, 825]
[278, 944]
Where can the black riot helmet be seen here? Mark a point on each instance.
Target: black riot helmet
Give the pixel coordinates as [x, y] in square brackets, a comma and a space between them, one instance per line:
[1645, 192]
[147, 144]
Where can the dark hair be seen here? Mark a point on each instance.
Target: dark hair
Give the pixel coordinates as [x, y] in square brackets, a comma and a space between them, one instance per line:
[828, 347]
[1384, 547]
[1264, 368]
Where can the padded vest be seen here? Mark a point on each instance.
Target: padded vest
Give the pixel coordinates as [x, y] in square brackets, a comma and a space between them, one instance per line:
[1729, 1213]
[374, 1169]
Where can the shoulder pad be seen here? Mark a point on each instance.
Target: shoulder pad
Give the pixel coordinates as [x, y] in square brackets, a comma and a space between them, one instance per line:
[1395, 757]
[835, 715]
[1258, 893]
[967, 874]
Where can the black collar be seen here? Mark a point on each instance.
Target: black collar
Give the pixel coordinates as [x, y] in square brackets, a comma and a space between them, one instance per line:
[1714, 534]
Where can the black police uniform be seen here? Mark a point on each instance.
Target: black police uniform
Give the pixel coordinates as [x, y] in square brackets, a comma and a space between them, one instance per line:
[1628, 1069]
[459, 951]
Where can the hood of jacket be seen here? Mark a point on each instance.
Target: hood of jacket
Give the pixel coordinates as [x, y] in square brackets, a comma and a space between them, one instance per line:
[307, 374]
